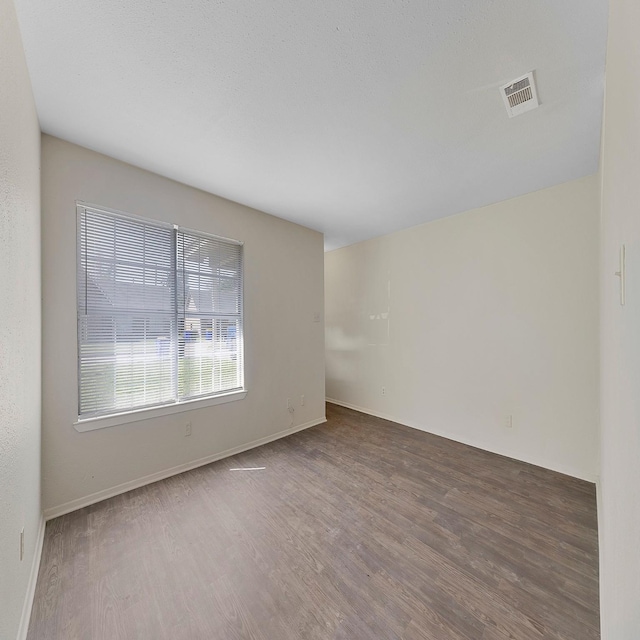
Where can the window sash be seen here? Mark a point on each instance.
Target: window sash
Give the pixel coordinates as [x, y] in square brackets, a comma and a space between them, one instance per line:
[159, 313]
[209, 295]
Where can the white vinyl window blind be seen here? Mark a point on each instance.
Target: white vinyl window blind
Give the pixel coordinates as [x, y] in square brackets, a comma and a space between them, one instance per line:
[159, 314]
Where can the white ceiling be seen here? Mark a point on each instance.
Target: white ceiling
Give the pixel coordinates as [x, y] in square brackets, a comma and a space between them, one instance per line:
[353, 117]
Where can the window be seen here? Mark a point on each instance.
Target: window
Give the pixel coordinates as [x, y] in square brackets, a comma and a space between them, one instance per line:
[159, 314]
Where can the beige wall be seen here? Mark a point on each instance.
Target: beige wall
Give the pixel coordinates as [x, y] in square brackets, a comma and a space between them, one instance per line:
[19, 326]
[284, 355]
[620, 423]
[476, 317]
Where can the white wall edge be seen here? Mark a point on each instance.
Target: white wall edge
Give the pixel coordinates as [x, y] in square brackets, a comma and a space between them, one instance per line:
[33, 579]
[567, 471]
[85, 501]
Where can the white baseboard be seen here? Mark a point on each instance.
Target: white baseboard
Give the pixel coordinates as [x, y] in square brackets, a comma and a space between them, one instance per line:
[601, 559]
[31, 585]
[601, 533]
[516, 455]
[85, 501]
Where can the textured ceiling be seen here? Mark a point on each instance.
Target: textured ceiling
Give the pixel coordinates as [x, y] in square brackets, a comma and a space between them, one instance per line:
[353, 117]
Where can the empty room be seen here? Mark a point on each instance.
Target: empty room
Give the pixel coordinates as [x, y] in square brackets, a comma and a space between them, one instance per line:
[319, 320]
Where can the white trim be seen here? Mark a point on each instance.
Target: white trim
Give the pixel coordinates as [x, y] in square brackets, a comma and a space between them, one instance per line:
[85, 501]
[31, 585]
[601, 535]
[559, 468]
[101, 422]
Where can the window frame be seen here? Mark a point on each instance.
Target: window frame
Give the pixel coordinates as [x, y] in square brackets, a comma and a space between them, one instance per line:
[91, 421]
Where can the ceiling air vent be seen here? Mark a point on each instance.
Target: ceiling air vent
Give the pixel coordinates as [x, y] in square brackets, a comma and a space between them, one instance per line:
[520, 95]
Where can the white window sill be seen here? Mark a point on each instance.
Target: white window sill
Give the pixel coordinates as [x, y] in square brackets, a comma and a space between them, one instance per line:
[101, 422]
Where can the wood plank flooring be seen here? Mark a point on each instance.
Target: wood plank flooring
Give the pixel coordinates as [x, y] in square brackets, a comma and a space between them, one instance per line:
[356, 529]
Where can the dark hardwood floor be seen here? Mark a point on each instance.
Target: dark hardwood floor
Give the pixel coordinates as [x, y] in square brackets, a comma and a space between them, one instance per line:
[356, 529]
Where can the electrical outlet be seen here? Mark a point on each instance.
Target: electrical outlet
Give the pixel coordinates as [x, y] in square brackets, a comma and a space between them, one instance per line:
[302, 401]
[22, 544]
[508, 421]
[187, 429]
[384, 391]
